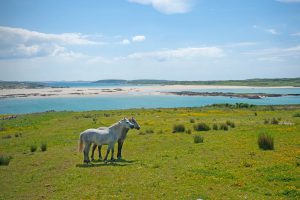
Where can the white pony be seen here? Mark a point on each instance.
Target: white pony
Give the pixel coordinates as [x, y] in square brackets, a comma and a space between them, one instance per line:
[120, 140]
[107, 136]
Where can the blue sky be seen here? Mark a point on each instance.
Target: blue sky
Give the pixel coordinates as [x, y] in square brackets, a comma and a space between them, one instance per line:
[149, 39]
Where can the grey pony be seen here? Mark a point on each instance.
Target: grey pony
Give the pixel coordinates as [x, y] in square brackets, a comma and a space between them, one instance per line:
[120, 141]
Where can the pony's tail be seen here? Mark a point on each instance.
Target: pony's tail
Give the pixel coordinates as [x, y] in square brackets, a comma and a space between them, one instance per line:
[80, 146]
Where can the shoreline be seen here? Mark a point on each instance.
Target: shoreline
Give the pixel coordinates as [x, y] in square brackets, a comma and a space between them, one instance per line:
[109, 91]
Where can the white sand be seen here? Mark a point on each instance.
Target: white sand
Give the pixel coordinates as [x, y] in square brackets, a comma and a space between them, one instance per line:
[120, 90]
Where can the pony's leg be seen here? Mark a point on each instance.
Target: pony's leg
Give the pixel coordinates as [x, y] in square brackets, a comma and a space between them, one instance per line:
[120, 145]
[99, 150]
[112, 152]
[107, 152]
[86, 152]
[93, 151]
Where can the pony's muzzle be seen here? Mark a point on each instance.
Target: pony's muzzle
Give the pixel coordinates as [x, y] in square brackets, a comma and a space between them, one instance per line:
[131, 126]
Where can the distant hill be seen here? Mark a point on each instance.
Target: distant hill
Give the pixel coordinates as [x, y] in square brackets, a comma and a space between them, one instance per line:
[20, 85]
[112, 81]
[248, 82]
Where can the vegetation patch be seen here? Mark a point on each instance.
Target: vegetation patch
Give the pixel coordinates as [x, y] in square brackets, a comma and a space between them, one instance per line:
[4, 160]
[43, 146]
[223, 127]
[201, 127]
[178, 128]
[265, 141]
[33, 147]
[198, 139]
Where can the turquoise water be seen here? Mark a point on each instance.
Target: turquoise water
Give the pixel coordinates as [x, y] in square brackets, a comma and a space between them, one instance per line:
[29, 105]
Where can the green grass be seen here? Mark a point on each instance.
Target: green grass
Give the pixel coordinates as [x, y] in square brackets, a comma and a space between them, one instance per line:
[160, 165]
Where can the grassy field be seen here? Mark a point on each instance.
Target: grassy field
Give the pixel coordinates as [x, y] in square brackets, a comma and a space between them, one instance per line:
[158, 164]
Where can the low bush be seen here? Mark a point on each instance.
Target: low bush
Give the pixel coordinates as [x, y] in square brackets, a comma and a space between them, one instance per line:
[274, 121]
[178, 128]
[266, 121]
[18, 134]
[4, 160]
[33, 148]
[189, 131]
[201, 127]
[230, 123]
[265, 141]
[192, 120]
[223, 127]
[215, 127]
[296, 115]
[198, 139]
[43, 147]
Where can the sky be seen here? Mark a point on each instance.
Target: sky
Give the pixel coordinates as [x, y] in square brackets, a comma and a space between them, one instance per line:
[71, 40]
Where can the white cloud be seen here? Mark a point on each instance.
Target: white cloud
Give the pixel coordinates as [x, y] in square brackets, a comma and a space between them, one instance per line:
[22, 43]
[138, 38]
[276, 53]
[167, 6]
[289, 1]
[125, 42]
[269, 30]
[273, 31]
[296, 34]
[182, 53]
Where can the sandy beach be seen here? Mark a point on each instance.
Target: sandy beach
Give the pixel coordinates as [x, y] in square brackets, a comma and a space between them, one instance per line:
[120, 90]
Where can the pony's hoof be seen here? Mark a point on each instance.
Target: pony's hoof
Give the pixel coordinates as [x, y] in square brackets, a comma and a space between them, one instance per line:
[93, 159]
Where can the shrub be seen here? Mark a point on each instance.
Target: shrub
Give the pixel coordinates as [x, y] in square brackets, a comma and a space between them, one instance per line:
[201, 127]
[33, 148]
[255, 113]
[274, 121]
[215, 127]
[4, 160]
[198, 139]
[189, 131]
[223, 127]
[230, 123]
[43, 147]
[296, 115]
[178, 128]
[18, 134]
[265, 141]
[192, 120]
[266, 121]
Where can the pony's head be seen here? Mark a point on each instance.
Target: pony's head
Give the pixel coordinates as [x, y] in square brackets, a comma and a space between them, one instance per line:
[134, 122]
[126, 123]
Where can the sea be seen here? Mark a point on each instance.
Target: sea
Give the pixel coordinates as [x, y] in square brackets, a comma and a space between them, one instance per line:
[126, 101]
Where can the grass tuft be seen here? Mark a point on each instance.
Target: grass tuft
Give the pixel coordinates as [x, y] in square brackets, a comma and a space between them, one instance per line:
[43, 147]
[178, 128]
[33, 148]
[198, 139]
[192, 120]
[265, 141]
[296, 115]
[215, 127]
[230, 123]
[4, 160]
[201, 127]
[223, 127]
